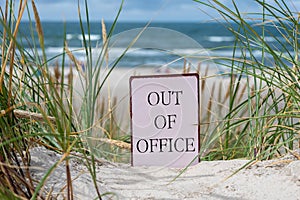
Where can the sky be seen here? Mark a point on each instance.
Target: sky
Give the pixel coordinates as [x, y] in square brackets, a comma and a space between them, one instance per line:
[138, 10]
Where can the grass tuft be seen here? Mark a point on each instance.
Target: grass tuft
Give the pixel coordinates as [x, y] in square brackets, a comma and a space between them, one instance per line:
[261, 112]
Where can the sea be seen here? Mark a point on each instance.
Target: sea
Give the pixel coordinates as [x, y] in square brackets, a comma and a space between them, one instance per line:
[132, 44]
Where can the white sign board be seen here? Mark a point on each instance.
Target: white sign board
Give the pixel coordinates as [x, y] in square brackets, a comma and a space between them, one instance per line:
[164, 120]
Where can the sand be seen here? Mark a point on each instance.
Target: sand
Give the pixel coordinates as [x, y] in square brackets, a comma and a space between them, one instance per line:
[274, 179]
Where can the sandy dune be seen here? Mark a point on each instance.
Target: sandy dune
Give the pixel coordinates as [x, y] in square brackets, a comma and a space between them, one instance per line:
[275, 179]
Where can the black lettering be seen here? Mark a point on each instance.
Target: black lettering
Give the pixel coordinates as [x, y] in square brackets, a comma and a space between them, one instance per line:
[151, 144]
[170, 139]
[162, 124]
[149, 98]
[190, 144]
[138, 146]
[163, 98]
[171, 120]
[177, 96]
[176, 146]
[161, 144]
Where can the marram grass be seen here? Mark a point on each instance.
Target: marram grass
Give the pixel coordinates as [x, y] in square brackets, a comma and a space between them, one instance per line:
[265, 124]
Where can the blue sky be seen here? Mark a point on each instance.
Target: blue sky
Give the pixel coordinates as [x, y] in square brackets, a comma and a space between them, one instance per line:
[138, 10]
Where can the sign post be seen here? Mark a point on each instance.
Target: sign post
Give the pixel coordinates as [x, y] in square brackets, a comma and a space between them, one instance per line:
[164, 120]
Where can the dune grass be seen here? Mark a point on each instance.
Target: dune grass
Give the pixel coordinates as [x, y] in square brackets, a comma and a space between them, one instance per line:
[36, 103]
[265, 123]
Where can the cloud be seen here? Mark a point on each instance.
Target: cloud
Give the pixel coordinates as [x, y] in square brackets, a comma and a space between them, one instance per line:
[141, 10]
[162, 10]
[133, 10]
[144, 4]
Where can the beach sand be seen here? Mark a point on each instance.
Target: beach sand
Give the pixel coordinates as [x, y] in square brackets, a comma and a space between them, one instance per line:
[213, 180]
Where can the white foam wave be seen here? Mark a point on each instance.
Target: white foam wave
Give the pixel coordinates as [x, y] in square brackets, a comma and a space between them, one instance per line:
[192, 52]
[145, 52]
[220, 38]
[69, 36]
[138, 56]
[93, 37]
[136, 52]
[274, 39]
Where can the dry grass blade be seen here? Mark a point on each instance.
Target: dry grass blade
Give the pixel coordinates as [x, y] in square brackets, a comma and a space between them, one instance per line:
[209, 106]
[70, 77]
[242, 93]
[11, 177]
[69, 181]
[105, 42]
[57, 73]
[105, 47]
[220, 92]
[4, 17]
[184, 66]
[117, 143]
[203, 79]
[5, 178]
[12, 42]
[296, 32]
[31, 115]
[74, 60]
[39, 28]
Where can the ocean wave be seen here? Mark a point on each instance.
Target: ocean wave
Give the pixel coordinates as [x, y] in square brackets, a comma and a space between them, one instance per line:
[146, 52]
[140, 52]
[93, 37]
[59, 50]
[69, 36]
[274, 39]
[220, 38]
[140, 56]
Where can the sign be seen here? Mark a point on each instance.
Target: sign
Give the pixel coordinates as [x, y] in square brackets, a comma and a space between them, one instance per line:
[164, 120]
